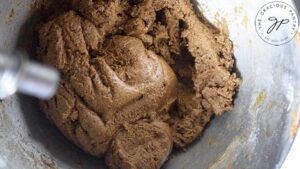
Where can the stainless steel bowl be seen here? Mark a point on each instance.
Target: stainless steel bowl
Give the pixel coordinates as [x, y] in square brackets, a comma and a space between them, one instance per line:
[257, 134]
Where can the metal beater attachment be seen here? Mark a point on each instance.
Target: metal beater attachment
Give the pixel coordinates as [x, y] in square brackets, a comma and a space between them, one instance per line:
[19, 74]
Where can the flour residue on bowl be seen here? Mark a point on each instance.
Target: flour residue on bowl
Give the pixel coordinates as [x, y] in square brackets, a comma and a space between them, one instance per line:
[37, 4]
[259, 99]
[295, 125]
[297, 37]
[245, 22]
[9, 16]
[238, 9]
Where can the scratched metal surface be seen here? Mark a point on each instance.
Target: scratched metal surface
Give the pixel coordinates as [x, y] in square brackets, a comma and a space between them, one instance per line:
[256, 134]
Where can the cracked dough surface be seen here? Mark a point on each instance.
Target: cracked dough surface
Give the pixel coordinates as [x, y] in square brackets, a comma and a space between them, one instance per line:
[138, 76]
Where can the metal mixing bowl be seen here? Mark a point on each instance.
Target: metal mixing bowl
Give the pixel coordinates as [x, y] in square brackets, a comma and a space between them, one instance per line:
[257, 134]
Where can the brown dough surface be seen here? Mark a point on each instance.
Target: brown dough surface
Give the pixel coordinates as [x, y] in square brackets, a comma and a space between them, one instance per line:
[137, 77]
[142, 145]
